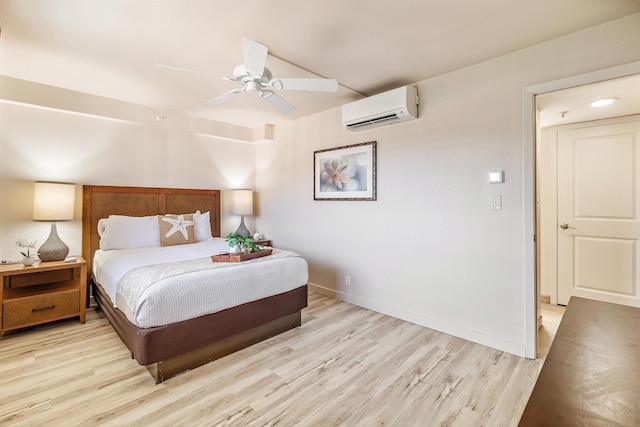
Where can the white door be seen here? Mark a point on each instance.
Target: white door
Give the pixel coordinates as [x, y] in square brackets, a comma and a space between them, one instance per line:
[598, 213]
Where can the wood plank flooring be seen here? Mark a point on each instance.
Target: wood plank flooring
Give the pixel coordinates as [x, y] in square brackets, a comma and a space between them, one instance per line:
[345, 366]
[551, 317]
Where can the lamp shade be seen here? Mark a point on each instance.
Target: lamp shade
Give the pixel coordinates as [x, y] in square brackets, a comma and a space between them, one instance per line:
[53, 201]
[242, 202]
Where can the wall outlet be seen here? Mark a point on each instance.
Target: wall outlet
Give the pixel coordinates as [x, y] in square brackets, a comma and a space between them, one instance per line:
[347, 280]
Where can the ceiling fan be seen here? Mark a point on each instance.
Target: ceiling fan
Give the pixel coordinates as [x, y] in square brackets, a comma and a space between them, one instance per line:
[254, 77]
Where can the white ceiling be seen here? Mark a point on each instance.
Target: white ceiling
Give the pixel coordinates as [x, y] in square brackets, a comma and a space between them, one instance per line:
[573, 105]
[111, 47]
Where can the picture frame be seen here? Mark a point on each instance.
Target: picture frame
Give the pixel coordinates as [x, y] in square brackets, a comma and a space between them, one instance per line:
[345, 173]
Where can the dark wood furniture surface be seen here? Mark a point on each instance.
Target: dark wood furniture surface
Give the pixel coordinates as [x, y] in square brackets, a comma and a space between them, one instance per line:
[591, 376]
[168, 350]
[43, 292]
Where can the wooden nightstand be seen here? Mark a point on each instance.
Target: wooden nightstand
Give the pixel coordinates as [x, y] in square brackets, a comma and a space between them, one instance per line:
[263, 242]
[44, 292]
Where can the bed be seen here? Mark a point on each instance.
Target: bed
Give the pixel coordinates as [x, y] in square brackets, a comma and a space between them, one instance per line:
[169, 349]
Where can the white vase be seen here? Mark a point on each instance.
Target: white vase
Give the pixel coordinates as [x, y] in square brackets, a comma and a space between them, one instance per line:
[28, 260]
[235, 249]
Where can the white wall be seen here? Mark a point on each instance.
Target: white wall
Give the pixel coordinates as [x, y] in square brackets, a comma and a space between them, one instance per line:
[430, 249]
[51, 145]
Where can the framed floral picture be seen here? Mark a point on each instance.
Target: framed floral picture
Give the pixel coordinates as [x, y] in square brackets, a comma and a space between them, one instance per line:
[345, 173]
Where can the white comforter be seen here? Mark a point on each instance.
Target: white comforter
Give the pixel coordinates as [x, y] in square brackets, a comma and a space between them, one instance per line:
[182, 282]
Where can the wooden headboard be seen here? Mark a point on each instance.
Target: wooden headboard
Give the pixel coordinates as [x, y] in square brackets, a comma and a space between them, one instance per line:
[101, 201]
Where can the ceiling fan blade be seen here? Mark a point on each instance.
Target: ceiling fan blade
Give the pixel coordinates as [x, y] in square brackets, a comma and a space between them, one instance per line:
[255, 56]
[318, 85]
[220, 99]
[277, 101]
[204, 73]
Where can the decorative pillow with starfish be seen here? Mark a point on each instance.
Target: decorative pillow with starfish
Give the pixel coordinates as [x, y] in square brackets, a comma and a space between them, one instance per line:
[176, 229]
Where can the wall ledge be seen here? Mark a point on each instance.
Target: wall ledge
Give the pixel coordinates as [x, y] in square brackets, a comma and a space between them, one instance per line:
[38, 95]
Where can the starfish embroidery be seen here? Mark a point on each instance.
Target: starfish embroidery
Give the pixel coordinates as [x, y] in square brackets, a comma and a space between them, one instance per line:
[179, 224]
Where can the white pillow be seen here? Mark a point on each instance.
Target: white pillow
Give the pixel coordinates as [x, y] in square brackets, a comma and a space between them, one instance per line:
[102, 226]
[128, 232]
[202, 226]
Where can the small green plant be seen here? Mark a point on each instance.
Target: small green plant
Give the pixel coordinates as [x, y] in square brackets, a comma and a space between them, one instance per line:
[234, 239]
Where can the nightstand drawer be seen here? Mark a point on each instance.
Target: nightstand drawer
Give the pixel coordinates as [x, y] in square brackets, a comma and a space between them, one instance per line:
[39, 278]
[21, 312]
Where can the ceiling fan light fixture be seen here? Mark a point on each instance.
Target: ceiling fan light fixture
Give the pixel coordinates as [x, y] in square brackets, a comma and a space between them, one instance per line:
[603, 102]
[266, 93]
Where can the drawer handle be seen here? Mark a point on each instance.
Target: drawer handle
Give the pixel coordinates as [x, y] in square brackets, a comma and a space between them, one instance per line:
[37, 309]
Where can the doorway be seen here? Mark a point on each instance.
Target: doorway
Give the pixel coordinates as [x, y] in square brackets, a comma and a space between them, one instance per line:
[537, 268]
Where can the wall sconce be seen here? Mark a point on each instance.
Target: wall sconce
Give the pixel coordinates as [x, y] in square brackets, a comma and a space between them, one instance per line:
[53, 201]
[242, 204]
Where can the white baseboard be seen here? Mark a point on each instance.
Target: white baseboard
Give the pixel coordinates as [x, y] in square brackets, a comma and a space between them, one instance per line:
[445, 327]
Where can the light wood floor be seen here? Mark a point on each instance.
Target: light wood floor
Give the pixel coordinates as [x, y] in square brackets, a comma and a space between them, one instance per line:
[551, 317]
[345, 366]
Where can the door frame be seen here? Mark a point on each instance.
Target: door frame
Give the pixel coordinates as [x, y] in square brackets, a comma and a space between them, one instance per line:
[530, 133]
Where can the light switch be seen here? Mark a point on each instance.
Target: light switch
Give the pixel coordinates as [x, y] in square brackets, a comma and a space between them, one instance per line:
[496, 202]
[496, 177]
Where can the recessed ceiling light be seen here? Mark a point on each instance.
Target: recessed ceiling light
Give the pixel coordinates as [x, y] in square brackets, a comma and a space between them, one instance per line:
[603, 102]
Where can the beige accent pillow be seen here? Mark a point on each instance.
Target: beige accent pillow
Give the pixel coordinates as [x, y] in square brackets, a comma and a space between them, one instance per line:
[176, 229]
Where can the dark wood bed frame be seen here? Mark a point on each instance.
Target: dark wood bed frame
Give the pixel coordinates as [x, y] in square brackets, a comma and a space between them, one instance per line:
[171, 349]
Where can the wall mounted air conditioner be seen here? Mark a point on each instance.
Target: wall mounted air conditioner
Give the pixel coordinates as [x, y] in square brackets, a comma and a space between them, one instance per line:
[395, 106]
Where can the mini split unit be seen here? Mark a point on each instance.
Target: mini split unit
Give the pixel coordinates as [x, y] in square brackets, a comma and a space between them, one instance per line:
[395, 106]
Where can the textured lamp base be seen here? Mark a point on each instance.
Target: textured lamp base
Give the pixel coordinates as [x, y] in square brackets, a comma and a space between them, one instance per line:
[53, 249]
[242, 229]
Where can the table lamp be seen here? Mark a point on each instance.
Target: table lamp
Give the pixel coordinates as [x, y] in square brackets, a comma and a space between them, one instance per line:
[242, 204]
[53, 201]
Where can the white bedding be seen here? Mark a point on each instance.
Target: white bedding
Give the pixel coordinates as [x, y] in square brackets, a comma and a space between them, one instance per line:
[188, 284]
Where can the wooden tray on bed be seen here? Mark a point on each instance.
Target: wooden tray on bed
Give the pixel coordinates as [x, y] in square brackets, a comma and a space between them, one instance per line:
[240, 257]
